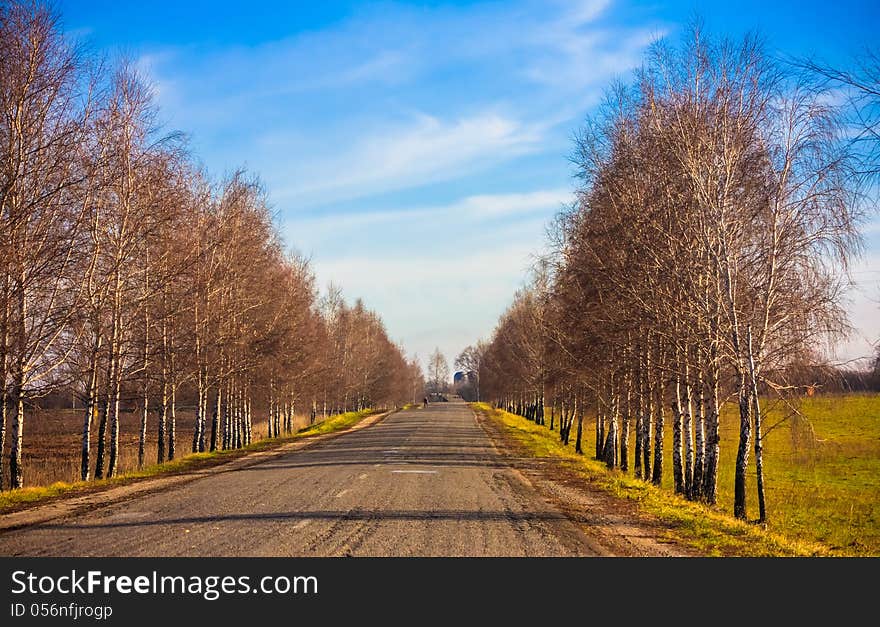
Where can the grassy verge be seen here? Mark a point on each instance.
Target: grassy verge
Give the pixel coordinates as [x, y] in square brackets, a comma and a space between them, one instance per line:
[706, 529]
[17, 499]
[336, 423]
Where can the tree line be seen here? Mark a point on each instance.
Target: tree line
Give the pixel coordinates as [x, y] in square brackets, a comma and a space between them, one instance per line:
[132, 279]
[704, 257]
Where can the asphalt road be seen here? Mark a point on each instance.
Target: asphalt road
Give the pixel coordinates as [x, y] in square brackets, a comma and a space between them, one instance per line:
[422, 482]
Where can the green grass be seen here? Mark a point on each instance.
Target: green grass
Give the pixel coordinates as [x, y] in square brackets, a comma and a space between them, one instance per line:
[709, 530]
[16, 499]
[822, 471]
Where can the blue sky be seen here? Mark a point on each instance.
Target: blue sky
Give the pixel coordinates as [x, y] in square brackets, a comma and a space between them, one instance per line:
[416, 151]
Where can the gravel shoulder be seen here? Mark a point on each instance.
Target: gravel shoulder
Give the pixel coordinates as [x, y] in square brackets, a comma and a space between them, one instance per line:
[614, 524]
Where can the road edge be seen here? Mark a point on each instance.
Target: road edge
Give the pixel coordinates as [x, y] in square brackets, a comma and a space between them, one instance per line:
[617, 527]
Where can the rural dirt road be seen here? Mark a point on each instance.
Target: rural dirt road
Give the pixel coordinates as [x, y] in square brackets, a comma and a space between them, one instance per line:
[435, 481]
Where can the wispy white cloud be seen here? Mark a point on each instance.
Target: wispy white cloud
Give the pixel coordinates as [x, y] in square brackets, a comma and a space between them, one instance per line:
[583, 11]
[466, 213]
[426, 150]
[148, 66]
[494, 205]
[572, 52]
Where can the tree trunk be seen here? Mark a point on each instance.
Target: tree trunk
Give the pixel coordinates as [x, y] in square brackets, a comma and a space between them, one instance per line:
[172, 417]
[640, 412]
[142, 436]
[291, 415]
[172, 422]
[16, 470]
[215, 419]
[625, 419]
[660, 415]
[4, 401]
[105, 417]
[269, 421]
[239, 417]
[609, 451]
[4, 392]
[203, 416]
[102, 430]
[91, 412]
[699, 436]
[713, 436]
[646, 419]
[116, 376]
[248, 419]
[198, 425]
[224, 419]
[562, 416]
[203, 419]
[198, 441]
[227, 416]
[112, 466]
[677, 417]
[759, 438]
[279, 411]
[563, 423]
[163, 411]
[688, 430]
[742, 453]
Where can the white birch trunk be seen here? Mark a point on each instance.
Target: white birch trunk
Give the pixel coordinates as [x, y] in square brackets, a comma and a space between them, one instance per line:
[687, 429]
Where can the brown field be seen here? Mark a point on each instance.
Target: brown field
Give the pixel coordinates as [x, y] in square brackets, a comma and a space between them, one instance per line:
[52, 441]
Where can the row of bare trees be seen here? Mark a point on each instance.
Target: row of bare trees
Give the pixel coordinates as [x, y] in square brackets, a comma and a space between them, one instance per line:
[706, 250]
[129, 278]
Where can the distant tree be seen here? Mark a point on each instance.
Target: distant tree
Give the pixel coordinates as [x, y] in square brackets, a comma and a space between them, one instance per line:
[469, 361]
[438, 372]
